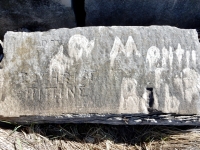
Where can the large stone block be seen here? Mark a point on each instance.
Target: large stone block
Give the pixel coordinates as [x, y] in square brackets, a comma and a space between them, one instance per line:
[100, 70]
[179, 13]
[35, 15]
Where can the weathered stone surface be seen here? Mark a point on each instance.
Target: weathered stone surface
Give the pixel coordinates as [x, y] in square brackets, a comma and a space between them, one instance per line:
[100, 70]
[35, 15]
[179, 13]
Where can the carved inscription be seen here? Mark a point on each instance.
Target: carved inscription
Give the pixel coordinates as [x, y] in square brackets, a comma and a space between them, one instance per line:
[47, 82]
[59, 83]
[78, 73]
[63, 83]
[56, 87]
[163, 67]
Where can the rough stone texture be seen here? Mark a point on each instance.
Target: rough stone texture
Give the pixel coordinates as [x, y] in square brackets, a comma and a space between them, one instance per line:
[35, 15]
[179, 13]
[100, 70]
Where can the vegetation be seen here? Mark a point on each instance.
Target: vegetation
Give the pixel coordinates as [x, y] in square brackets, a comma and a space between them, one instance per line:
[97, 137]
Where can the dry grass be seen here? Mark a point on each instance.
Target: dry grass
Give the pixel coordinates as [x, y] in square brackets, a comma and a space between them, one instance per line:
[97, 137]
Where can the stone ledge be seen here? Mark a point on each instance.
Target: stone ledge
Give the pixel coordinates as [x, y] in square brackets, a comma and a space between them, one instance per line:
[112, 119]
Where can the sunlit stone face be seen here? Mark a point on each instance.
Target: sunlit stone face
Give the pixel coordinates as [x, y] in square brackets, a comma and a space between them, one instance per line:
[101, 70]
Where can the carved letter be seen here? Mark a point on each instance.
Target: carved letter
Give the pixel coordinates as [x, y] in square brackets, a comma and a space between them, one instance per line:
[153, 56]
[78, 44]
[58, 62]
[129, 49]
[179, 53]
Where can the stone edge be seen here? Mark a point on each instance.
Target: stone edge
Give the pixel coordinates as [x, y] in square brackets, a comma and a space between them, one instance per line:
[110, 119]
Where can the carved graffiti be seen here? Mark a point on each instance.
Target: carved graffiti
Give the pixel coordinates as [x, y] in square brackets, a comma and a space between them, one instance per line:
[130, 98]
[77, 45]
[69, 77]
[118, 47]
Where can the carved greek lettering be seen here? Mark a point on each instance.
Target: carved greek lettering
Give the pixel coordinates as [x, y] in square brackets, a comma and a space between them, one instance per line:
[84, 91]
[36, 94]
[54, 78]
[70, 92]
[58, 93]
[43, 94]
[60, 78]
[30, 94]
[50, 94]
[69, 79]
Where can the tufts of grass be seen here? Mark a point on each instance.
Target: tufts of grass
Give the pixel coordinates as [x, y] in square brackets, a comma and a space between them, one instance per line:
[97, 137]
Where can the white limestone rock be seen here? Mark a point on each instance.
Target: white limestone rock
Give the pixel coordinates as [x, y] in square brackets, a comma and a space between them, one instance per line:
[102, 70]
